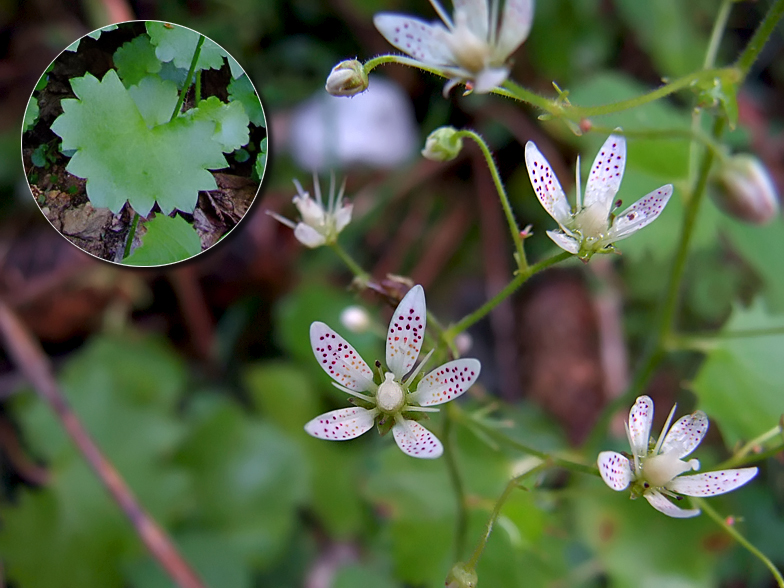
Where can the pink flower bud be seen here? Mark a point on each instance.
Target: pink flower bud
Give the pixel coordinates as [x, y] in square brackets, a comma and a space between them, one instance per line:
[746, 190]
[347, 78]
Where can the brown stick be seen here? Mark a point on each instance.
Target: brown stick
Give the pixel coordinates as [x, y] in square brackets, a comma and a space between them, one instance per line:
[31, 361]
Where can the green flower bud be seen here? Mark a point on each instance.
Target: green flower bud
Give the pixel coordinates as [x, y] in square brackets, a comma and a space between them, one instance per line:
[347, 78]
[746, 190]
[461, 576]
[443, 144]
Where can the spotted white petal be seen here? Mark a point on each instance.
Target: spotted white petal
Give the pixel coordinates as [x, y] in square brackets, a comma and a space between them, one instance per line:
[615, 469]
[476, 16]
[309, 236]
[489, 78]
[406, 332]
[446, 382]
[711, 483]
[546, 185]
[686, 434]
[564, 241]
[604, 180]
[515, 26]
[416, 441]
[422, 41]
[342, 424]
[339, 359]
[662, 504]
[640, 214]
[640, 420]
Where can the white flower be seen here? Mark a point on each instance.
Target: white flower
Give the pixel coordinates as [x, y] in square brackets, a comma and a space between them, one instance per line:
[392, 403]
[472, 48]
[655, 472]
[594, 226]
[318, 225]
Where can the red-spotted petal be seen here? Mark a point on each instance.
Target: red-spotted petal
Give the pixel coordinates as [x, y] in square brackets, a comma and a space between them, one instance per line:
[446, 382]
[416, 441]
[685, 435]
[342, 424]
[546, 185]
[606, 173]
[640, 214]
[711, 483]
[662, 504]
[640, 419]
[422, 41]
[406, 332]
[615, 469]
[339, 359]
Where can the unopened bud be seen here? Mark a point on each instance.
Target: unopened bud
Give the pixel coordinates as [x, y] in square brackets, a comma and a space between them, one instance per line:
[347, 78]
[460, 576]
[746, 190]
[443, 144]
[355, 319]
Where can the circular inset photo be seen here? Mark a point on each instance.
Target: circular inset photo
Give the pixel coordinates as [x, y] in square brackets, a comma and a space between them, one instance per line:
[144, 143]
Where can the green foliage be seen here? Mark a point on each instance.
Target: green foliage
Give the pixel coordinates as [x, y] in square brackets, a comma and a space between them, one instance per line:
[168, 240]
[136, 59]
[125, 160]
[231, 122]
[261, 160]
[31, 114]
[740, 382]
[241, 89]
[177, 44]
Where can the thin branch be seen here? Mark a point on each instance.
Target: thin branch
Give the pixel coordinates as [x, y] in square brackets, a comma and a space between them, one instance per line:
[29, 358]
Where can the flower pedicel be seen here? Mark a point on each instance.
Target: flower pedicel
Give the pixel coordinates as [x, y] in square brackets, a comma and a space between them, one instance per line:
[391, 402]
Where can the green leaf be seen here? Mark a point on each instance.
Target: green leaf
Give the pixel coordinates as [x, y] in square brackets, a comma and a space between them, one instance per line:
[155, 98]
[124, 160]
[234, 66]
[70, 532]
[760, 247]
[249, 478]
[241, 89]
[168, 240]
[135, 60]
[177, 44]
[362, 576]
[73, 47]
[31, 114]
[231, 122]
[739, 384]
[261, 160]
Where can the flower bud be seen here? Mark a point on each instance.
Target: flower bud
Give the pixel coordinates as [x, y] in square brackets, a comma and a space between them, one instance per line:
[443, 144]
[746, 190]
[461, 576]
[355, 319]
[347, 78]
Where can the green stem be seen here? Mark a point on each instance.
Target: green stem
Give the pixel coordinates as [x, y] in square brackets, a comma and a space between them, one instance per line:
[706, 341]
[734, 462]
[518, 281]
[655, 351]
[188, 79]
[513, 483]
[719, 25]
[514, 230]
[461, 525]
[131, 235]
[740, 456]
[352, 265]
[733, 532]
[695, 135]
[761, 36]
[549, 460]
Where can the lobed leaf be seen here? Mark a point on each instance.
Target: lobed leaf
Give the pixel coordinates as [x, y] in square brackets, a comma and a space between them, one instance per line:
[168, 240]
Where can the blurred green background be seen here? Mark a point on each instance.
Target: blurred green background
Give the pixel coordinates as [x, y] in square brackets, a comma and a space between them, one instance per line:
[196, 380]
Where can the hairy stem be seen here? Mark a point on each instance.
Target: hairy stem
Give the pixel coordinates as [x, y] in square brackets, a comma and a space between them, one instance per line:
[514, 230]
[461, 524]
[761, 36]
[733, 532]
[518, 281]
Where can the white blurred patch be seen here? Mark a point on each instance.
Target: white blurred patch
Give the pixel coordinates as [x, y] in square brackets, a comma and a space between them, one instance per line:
[376, 128]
